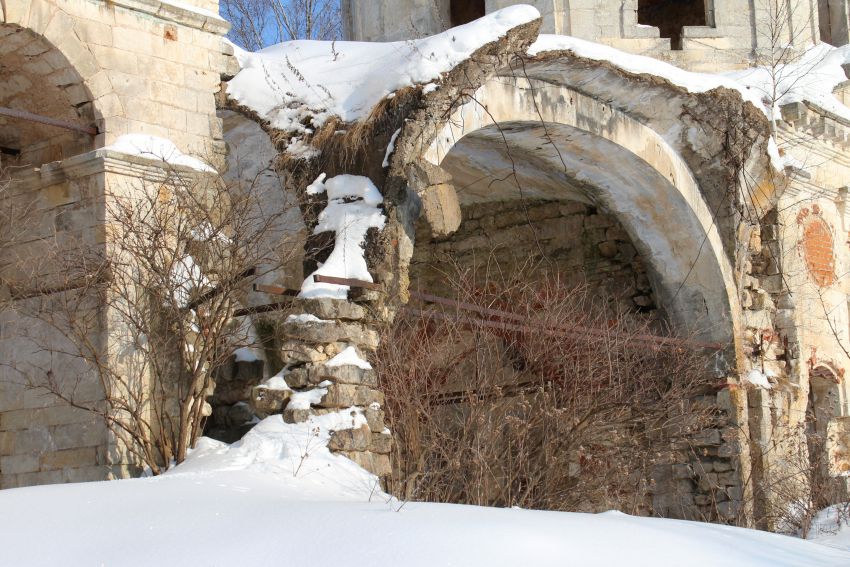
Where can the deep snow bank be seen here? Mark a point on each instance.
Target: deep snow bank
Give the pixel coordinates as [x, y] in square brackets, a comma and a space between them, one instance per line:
[278, 497]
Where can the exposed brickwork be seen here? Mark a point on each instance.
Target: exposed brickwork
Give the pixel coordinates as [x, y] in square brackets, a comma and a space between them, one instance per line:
[817, 245]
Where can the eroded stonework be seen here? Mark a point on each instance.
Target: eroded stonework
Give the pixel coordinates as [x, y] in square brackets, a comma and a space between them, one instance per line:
[674, 199]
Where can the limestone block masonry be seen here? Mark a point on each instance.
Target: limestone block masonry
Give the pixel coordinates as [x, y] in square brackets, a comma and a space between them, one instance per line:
[308, 344]
[123, 67]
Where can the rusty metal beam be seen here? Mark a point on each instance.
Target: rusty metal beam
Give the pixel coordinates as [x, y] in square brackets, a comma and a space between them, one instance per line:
[653, 341]
[347, 281]
[275, 289]
[29, 116]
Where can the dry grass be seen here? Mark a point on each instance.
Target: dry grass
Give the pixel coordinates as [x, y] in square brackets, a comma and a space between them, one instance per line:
[568, 410]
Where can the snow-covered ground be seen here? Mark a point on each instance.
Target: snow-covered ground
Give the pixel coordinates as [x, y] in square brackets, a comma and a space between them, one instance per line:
[279, 497]
[831, 527]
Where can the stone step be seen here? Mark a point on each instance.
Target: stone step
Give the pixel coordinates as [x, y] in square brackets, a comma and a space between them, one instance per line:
[326, 332]
[347, 395]
[268, 401]
[327, 308]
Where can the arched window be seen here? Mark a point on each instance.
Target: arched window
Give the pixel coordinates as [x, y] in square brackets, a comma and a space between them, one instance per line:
[464, 11]
[670, 16]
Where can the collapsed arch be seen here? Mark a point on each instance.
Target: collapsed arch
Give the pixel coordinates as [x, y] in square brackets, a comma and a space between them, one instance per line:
[593, 152]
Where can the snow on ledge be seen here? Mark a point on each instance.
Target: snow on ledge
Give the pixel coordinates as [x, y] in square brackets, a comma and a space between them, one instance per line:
[640, 65]
[760, 379]
[153, 147]
[353, 208]
[347, 357]
[811, 77]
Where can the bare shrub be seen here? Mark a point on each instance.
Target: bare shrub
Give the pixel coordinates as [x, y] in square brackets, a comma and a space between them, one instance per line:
[538, 396]
[150, 310]
[800, 483]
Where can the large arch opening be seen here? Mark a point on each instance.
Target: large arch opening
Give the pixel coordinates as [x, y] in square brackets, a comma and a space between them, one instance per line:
[551, 142]
[47, 115]
[547, 176]
[46, 111]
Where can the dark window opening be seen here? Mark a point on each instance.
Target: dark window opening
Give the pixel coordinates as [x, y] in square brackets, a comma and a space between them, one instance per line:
[465, 11]
[670, 16]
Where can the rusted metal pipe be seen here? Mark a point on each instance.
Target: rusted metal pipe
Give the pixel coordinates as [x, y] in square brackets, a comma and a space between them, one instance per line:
[29, 116]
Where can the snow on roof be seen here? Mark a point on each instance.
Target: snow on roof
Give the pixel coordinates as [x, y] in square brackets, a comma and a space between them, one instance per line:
[811, 77]
[639, 65]
[299, 85]
[311, 81]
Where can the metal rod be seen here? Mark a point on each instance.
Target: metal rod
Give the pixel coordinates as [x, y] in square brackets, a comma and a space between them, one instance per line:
[274, 289]
[346, 281]
[23, 115]
[665, 341]
[263, 308]
[575, 331]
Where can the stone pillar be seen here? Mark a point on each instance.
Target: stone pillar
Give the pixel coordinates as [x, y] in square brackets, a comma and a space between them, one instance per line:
[317, 356]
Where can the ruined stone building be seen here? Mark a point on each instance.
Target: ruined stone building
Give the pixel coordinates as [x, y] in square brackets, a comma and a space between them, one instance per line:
[673, 192]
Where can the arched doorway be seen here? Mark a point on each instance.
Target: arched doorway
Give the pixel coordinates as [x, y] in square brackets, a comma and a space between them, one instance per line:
[822, 411]
[47, 115]
[546, 173]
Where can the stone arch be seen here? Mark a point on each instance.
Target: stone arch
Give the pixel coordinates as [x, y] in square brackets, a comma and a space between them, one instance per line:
[607, 157]
[37, 78]
[51, 72]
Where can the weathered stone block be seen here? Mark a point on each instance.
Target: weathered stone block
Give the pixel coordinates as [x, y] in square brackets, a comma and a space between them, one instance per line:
[375, 419]
[7, 442]
[682, 471]
[327, 308]
[441, 209]
[345, 374]
[358, 439]
[69, 458]
[292, 352]
[729, 510]
[297, 377]
[332, 332]
[268, 401]
[707, 437]
[728, 450]
[347, 395]
[17, 464]
[378, 465]
[299, 415]
[381, 443]
[32, 440]
[87, 434]
[607, 249]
